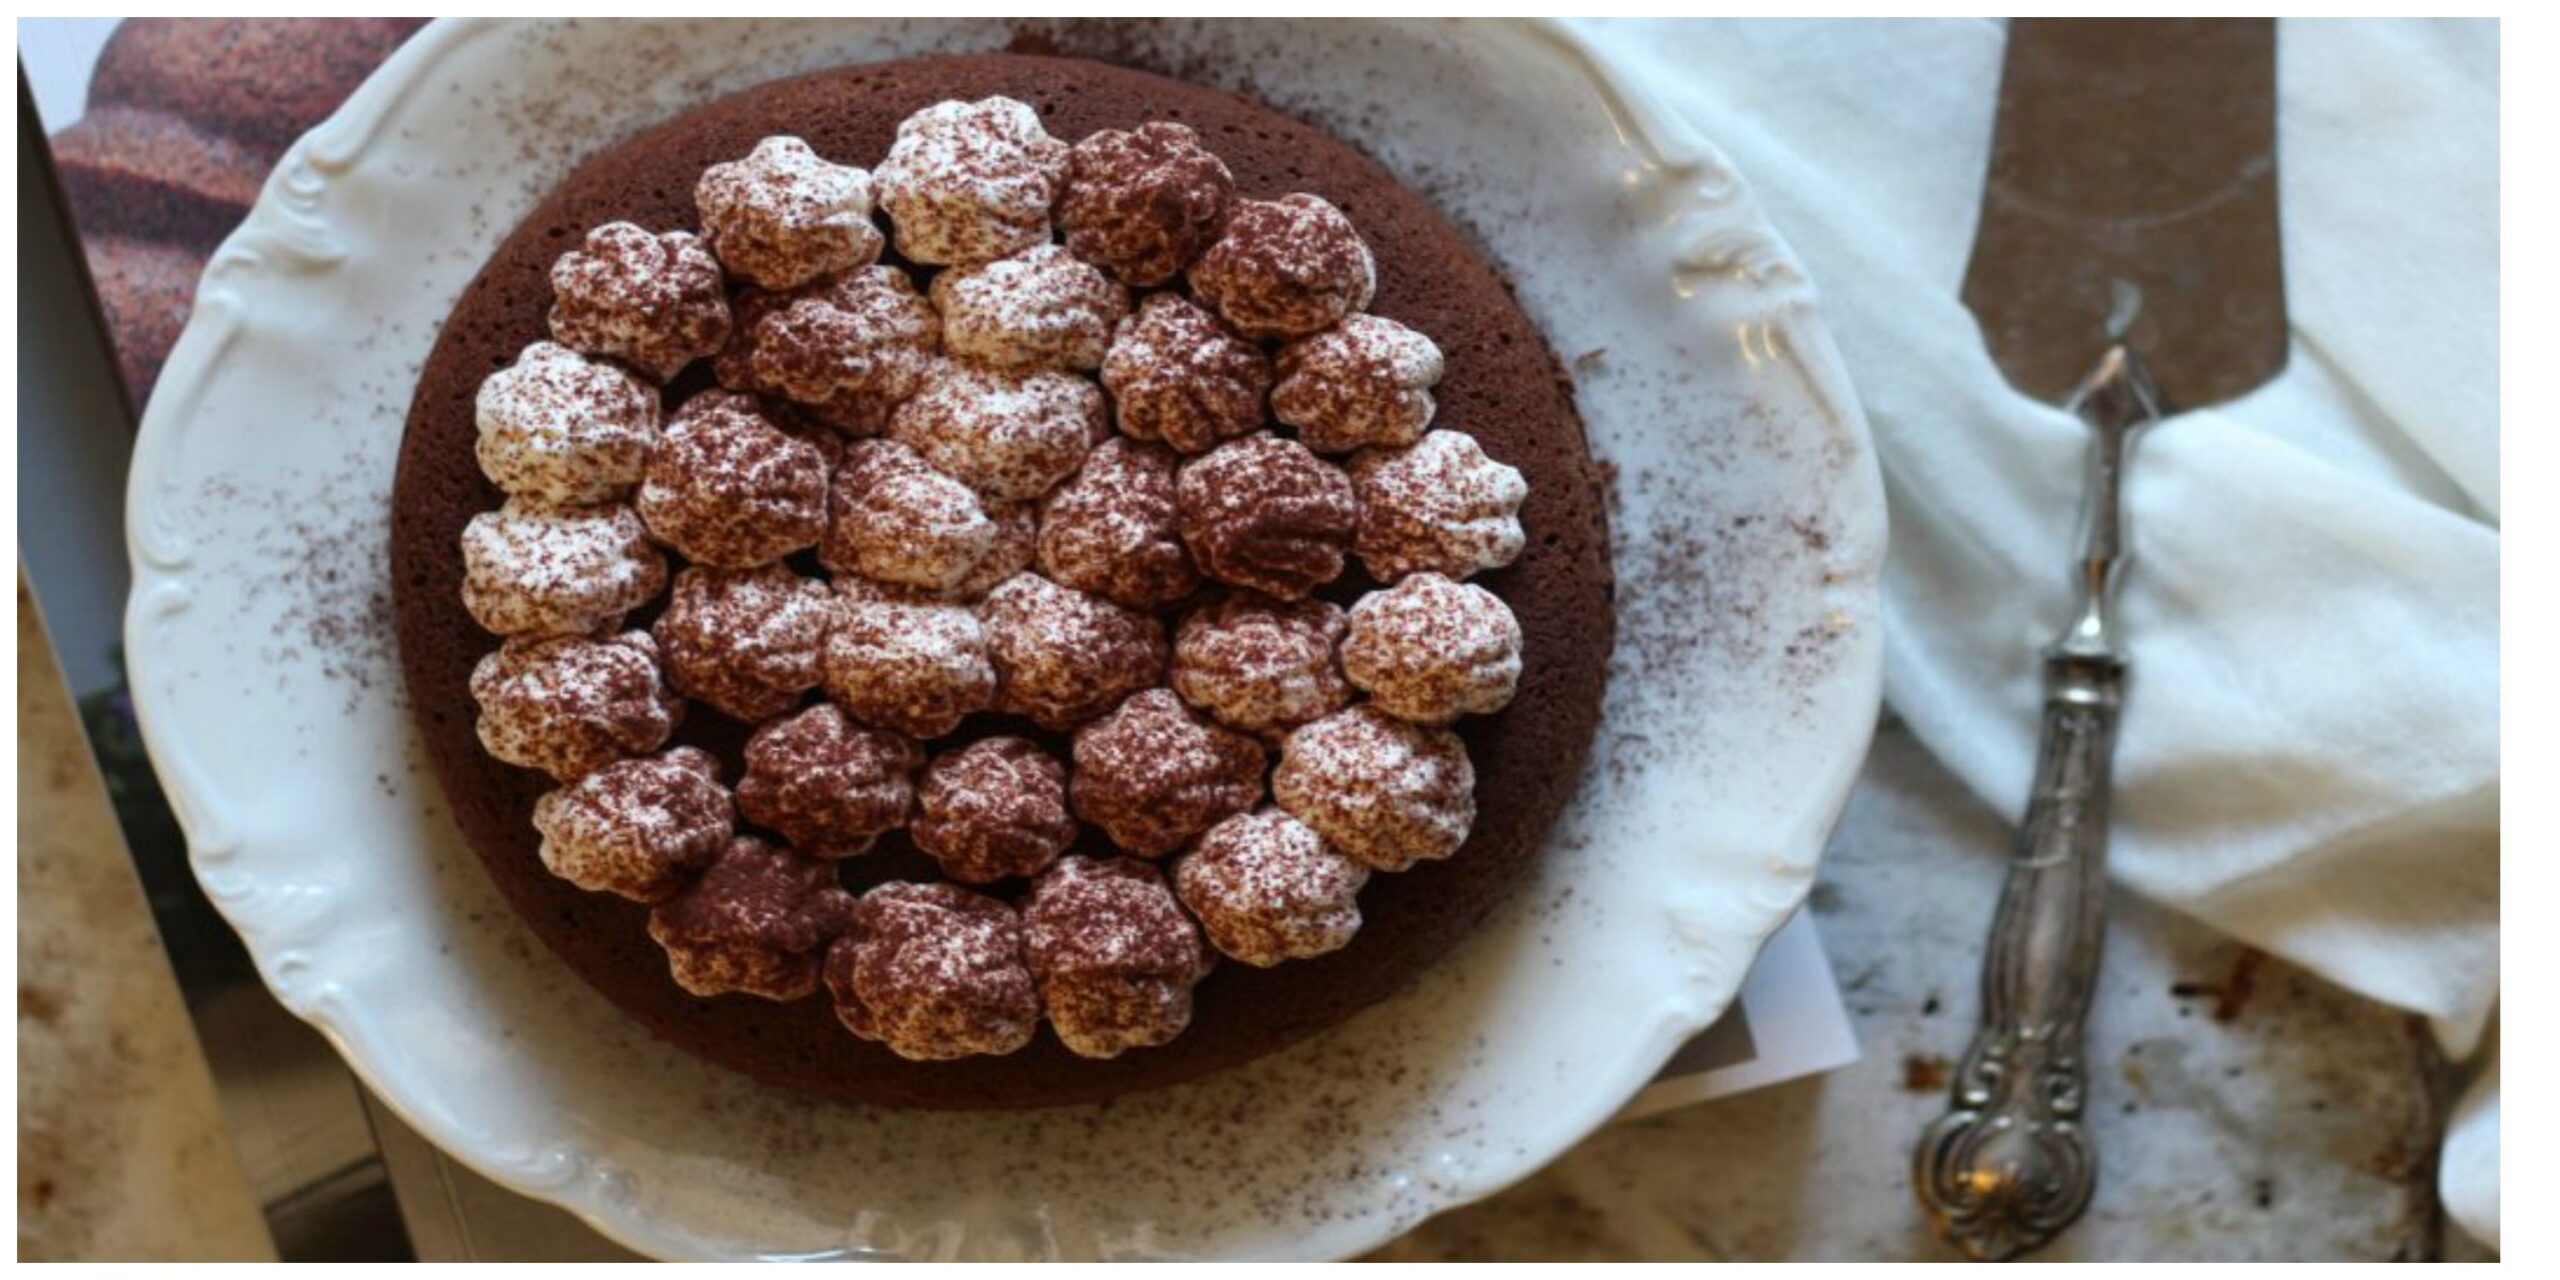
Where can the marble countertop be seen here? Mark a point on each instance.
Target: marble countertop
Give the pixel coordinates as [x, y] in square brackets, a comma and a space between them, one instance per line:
[2243, 1109]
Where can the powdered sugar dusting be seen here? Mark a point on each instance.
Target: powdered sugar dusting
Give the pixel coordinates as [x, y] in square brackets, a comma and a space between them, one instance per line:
[637, 827]
[537, 571]
[904, 661]
[850, 349]
[1153, 773]
[976, 386]
[1379, 789]
[783, 216]
[569, 705]
[1011, 435]
[994, 809]
[655, 300]
[1266, 889]
[1430, 650]
[971, 181]
[564, 430]
[1261, 665]
[1114, 954]
[744, 641]
[894, 518]
[1263, 512]
[1063, 657]
[934, 972]
[1178, 375]
[1366, 381]
[728, 487]
[826, 784]
[1286, 268]
[1041, 307]
[1441, 505]
[1112, 529]
[755, 924]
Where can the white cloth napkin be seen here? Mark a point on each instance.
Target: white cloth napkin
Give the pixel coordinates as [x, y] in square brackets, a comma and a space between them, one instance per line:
[2309, 757]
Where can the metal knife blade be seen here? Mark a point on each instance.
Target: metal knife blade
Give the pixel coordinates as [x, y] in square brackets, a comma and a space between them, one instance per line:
[2132, 192]
[2128, 257]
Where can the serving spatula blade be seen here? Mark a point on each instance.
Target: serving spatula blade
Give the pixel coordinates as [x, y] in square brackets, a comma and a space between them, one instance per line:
[2132, 194]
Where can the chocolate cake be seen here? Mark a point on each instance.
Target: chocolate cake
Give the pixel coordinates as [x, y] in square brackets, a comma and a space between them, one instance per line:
[907, 718]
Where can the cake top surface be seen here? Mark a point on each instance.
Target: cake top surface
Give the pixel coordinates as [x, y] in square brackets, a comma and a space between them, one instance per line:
[1090, 399]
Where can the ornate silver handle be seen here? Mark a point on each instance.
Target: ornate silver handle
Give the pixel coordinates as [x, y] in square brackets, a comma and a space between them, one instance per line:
[2009, 1166]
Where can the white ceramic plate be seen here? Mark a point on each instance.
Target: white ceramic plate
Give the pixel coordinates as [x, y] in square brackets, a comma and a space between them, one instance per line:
[1750, 530]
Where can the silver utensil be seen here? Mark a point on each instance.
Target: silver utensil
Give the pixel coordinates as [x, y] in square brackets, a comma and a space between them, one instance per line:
[2131, 211]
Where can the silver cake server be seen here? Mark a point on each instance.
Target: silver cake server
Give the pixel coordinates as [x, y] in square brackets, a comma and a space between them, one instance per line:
[2127, 262]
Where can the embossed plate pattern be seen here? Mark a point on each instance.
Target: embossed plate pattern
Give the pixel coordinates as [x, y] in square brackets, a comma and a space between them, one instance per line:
[1749, 523]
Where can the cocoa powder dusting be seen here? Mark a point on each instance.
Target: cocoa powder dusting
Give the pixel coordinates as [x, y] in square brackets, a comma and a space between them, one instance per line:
[319, 548]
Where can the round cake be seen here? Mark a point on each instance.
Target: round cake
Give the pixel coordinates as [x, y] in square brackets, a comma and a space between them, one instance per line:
[997, 581]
